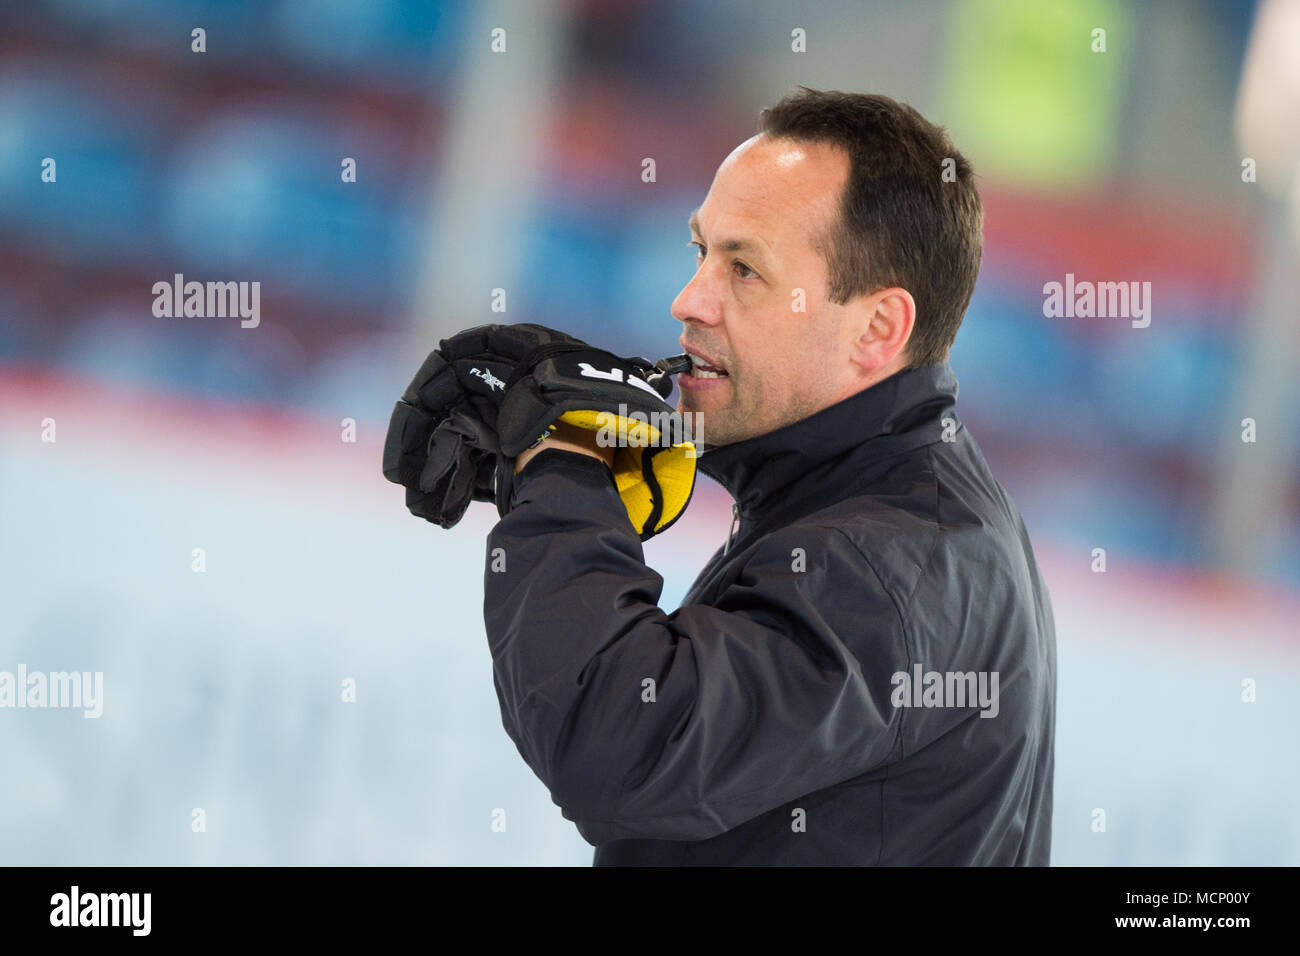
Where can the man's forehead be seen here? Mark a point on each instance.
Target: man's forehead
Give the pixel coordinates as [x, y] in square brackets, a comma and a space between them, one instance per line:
[779, 152]
[771, 194]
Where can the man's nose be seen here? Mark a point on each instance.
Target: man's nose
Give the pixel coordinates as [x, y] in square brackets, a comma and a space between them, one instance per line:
[696, 303]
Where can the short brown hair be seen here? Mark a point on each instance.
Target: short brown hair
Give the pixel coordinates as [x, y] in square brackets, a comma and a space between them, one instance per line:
[901, 223]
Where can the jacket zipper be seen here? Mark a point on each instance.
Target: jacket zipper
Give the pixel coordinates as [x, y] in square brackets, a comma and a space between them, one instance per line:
[735, 521]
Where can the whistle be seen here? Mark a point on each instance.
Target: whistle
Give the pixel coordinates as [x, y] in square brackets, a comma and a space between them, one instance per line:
[661, 380]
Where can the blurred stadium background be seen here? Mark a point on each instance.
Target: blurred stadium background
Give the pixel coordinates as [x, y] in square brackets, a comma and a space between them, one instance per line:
[522, 170]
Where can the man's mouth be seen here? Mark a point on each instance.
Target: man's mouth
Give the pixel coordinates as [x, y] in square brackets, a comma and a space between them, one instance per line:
[703, 368]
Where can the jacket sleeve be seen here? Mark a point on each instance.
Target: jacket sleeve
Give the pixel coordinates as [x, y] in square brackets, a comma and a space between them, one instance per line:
[682, 725]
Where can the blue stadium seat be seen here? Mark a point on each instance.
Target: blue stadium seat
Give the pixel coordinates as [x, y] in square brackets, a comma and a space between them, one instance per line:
[99, 205]
[407, 41]
[258, 196]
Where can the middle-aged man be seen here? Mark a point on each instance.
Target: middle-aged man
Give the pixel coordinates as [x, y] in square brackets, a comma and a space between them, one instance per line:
[865, 671]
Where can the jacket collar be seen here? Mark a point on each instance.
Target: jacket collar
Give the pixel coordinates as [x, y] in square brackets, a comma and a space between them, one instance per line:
[897, 414]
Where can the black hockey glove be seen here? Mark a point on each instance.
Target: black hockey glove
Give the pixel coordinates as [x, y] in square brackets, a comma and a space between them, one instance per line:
[490, 392]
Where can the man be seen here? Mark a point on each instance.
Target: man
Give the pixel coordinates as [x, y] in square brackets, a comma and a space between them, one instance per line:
[865, 671]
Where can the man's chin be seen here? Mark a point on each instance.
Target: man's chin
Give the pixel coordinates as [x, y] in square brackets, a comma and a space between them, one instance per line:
[709, 415]
[709, 429]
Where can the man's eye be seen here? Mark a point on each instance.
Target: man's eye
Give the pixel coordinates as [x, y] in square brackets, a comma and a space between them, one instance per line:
[699, 255]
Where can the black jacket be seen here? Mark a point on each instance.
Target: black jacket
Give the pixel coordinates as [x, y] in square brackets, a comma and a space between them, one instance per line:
[762, 722]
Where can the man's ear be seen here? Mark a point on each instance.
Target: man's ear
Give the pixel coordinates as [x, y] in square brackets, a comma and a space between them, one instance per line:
[887, 319]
